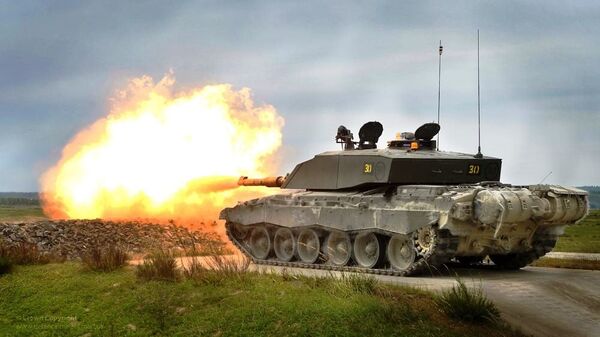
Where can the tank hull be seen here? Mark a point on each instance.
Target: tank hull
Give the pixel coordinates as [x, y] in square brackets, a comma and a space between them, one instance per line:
[406, 229]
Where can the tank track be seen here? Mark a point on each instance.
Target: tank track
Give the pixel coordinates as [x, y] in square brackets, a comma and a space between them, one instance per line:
[442, 252]
[542, 244]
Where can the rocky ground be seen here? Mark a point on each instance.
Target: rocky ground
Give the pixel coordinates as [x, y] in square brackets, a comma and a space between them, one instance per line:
[71, 238]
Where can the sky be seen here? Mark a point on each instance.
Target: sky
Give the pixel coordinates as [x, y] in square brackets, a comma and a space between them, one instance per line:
[320, 64]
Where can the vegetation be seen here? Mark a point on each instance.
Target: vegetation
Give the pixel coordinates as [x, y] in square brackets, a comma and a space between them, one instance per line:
[159, 266]
[594, 196]
[19, 195]
[22, 254]
[68, 300]
[583, 237]
[567, 263]
[6, 265]
[15, 206]
[467, 304]
[349, 284]
[21, 213]
[105, 259]
[20, 199]
[26, 253]
[216, 269]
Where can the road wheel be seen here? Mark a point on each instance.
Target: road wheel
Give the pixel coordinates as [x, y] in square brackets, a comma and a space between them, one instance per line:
[240, 232]
[284, 244]
[368, 250]
[260, 243]
[401, 252]
[338, 248]
[309, 246]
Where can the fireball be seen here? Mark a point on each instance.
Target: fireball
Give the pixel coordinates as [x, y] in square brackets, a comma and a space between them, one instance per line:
[164, 154]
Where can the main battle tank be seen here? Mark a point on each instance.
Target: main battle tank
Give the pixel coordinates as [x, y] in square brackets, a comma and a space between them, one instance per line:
[402, 210]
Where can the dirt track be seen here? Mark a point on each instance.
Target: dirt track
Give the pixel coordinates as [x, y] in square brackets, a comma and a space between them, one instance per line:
[539, 301]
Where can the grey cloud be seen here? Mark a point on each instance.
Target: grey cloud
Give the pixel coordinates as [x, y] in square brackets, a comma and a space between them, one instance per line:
[320, 64]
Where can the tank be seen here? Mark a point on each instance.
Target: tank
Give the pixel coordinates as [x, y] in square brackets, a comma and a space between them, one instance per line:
[401, 210]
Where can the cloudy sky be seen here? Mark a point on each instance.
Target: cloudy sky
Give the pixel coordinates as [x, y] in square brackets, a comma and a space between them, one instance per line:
[320, 64]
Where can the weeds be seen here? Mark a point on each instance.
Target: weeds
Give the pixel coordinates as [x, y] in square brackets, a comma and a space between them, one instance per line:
[346, 284]
[287, 276]
[216, 269]
[200, 244]
[105, 258]
[26, 253]
[467, 304]
[230, 266]
[313, 282]
[5, 265]
[159, 266]
[349, 284]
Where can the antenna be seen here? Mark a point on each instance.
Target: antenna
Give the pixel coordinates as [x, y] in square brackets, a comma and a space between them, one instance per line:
[547, 175]
[439, 91]
[478, 155]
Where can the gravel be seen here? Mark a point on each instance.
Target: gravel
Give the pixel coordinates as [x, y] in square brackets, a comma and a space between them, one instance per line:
[71, 238]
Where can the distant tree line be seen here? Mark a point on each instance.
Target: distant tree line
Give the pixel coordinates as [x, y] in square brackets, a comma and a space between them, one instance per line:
[594, 196]
[19, 199]
[19, 202]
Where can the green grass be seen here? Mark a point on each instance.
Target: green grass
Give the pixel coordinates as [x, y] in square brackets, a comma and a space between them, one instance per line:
[105, 258]
[567, 263]
[66, 300]
[159, 266]
[21, 213]
[467, 304]
[583, 237]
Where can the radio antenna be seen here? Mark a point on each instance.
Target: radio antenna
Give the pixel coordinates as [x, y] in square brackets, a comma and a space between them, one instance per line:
[478, 155]
[439, 92]
[547, 175]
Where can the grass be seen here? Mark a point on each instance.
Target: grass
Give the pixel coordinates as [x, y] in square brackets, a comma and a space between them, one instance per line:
[159, 266]
[21, 213]
[567, 263]
[583, 237]
[67, 300]
[216, 269]
[349, 284]
[467, 304]
[105, 259]
[26, 253]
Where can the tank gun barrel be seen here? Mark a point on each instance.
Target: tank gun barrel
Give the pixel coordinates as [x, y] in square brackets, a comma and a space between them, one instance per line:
[268, 181]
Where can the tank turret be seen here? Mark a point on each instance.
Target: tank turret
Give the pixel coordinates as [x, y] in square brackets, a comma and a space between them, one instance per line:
[410, 159]
[404, 209]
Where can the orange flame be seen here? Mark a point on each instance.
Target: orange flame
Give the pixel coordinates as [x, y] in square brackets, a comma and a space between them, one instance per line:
[164, 155]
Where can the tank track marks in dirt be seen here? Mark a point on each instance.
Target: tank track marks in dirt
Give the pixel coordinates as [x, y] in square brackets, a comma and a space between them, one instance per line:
[404, 230]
